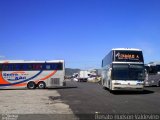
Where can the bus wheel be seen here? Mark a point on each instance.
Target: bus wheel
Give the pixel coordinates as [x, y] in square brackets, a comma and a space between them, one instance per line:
[105, 88]
[41, 85]
[31, 85]
[64, 83]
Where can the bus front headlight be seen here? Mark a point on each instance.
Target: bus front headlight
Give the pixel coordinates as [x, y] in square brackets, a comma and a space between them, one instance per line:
[117, 83]
[140, 83]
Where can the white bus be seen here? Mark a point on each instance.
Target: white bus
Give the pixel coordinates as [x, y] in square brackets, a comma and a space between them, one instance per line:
[31, 74]
[152, 74]
[123, 69]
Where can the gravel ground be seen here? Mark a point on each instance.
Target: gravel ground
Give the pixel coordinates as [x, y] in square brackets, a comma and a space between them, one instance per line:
[32, 102]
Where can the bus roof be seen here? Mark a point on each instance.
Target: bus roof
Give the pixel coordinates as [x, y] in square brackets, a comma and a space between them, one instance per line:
[134, 49]
[29, 61]
[154, 63]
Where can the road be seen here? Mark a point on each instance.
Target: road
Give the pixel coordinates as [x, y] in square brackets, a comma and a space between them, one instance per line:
[76, 100]
[24, 104]
[91, 98]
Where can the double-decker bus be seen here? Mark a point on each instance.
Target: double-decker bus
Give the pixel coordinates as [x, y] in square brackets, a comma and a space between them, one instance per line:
[31, 74]
[152, 74]
[123, 69]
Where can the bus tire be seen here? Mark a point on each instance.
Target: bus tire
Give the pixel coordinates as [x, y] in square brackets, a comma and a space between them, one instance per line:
[41, 85]
[64, 83]
[31, 85]
[105, 88]
[111, 91]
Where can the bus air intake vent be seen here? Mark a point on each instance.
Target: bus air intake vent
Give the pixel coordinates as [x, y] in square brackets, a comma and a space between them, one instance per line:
[55, 81]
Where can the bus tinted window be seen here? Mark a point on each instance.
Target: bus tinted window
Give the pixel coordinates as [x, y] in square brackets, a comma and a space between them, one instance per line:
[128, 56]
[54, 66]
[158, 68]
[25, 66]
[153, 70]
[108, 59]
[37, 66]
[0, 66]
[127, 72]
[120, 72]
[17, 67]
[58, 66]
[48, 67]
[30, 66]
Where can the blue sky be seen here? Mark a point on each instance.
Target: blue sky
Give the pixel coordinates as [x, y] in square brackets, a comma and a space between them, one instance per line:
[81, 32]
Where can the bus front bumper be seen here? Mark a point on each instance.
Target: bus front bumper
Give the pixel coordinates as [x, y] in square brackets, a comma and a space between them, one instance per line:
[127, 87]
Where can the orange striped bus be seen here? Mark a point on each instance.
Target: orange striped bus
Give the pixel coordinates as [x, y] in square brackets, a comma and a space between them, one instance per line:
[31, 74]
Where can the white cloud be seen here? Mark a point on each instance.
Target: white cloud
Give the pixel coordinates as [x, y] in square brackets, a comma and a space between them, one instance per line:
[2, 57]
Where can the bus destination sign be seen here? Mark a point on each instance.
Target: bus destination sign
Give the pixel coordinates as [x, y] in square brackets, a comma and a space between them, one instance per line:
[128, 56]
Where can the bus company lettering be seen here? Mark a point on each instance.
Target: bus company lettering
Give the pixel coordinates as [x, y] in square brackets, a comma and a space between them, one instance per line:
[127, 56]
[10, 74]
[14, 76]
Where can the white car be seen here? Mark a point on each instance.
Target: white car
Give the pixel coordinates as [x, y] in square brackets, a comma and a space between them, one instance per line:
[75, 79]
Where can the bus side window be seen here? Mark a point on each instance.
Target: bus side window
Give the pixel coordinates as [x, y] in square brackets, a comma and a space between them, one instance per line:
[16, 67]
[54, 66]
[48, 67]
[40, 66]
[25, 67]
[59, 66]
[30, 67]
[152, 70]
[10, 67]
[4, 67]
[36, 66]
[102, 64]
[33, 66]
[0, 67]
[158, 68]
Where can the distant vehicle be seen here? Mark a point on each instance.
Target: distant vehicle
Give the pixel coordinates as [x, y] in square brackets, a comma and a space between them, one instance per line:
[92, 77]
[123, 69]
[75, 75]
[152, 75]
[31, 74]
[75, 79]
[83, 75]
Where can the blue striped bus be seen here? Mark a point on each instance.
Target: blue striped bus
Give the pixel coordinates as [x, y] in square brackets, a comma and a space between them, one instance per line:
[31, 74]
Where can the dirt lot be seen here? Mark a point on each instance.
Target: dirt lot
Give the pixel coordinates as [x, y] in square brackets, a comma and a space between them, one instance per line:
[32, 102]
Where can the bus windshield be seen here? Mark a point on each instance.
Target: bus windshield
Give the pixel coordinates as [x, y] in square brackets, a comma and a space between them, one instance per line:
[127, 72]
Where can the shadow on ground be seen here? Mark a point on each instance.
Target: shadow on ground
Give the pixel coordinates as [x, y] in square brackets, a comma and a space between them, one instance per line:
[132, 92]
[68, 87]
